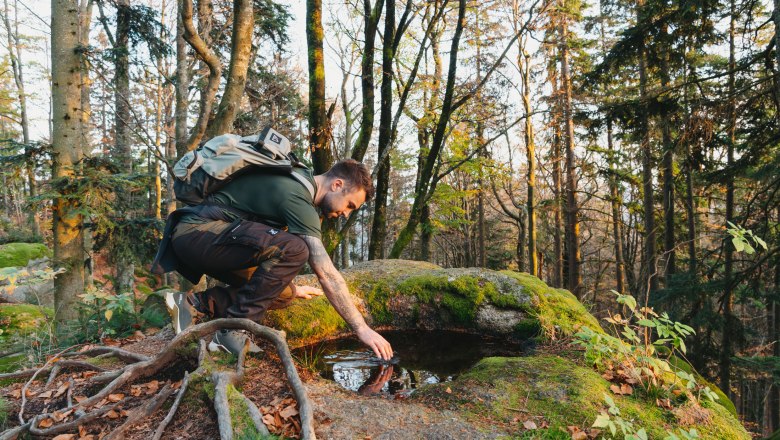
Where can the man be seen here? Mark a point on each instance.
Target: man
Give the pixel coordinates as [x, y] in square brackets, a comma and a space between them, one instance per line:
[255, 235]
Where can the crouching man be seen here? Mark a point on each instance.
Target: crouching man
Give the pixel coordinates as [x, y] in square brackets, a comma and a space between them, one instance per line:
[255, 235]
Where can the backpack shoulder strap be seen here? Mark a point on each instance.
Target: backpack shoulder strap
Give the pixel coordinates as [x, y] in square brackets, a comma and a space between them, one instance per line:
[305, 182]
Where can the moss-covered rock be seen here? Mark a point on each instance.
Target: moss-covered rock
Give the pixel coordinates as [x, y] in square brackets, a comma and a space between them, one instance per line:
[19, 254]
[497, 390]
[417, 295]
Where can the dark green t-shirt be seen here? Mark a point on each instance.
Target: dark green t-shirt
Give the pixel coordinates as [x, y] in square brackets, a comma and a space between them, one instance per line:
[275, 199]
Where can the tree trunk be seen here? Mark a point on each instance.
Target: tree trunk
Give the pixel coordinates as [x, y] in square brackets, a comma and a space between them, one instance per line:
[776, 18]
[557, 189]
[379, 228]
[240, 50]
[647, 171]
[371, 20]
[728, 328]
[774, 413]
[15, 56]
[668, 174]
[616, 222]
[67, 135]
[427, 187]
[122, 147]
[319, 134]
[572, 220]
[182, 87]
[524, 62]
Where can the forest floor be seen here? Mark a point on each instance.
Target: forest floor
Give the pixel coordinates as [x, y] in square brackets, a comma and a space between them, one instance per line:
[338, 413]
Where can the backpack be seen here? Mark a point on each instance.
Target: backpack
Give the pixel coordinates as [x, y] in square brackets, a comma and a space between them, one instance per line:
[210, 167]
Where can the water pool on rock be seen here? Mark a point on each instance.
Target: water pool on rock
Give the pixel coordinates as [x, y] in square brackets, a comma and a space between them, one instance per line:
[421, 358]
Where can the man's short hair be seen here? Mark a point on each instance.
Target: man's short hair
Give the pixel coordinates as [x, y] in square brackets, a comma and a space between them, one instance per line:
[355, 175]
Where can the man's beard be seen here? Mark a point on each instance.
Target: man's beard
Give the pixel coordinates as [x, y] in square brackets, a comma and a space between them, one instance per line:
[326, 206]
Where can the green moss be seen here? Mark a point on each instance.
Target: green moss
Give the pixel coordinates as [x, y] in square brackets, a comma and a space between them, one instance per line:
[19, 254]
[308, 320]
[376, 297]
[10, 364]
[461, 296]
[18, 321]
[562, 392]
[4, 409]
[559, 312]
[243, 426]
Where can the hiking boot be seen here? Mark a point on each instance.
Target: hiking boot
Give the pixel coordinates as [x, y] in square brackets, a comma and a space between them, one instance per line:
[232, 341]
[183, 310]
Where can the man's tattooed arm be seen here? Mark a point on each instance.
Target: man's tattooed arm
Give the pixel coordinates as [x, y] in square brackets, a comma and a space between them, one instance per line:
[338, 294]
[333, 283]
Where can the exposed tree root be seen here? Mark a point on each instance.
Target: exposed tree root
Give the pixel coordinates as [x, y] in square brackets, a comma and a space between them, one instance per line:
[123, 355]
[167, 420]
[142, 366]
[141, 412]
[14, 433]
[48, 368]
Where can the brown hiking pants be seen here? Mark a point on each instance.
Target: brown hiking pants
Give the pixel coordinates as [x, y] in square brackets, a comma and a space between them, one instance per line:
[256, 261]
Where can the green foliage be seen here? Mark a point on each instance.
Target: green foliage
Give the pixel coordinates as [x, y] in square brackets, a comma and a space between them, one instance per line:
[741, 238]
[107, 314]
[644, 343]
[19, 254]
[612, 421]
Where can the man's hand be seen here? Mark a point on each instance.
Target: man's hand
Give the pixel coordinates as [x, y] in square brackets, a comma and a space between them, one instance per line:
[376, 342]
[338, 294]
[307, 292]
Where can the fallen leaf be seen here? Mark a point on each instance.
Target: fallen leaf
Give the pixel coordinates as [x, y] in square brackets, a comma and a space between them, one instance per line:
[529, 424]
[60, 416]
[448, 390]
[82, 432]
[268, 419]
[46, 423]
[65, 437]
[79, 399]
[111, 414]
[123, 413]
[115, 397]
[136, 390]
[30, 393]
[626, 389]
[88, 374]
[577, 433]
[16, 394]
[152, 387]
[288, 412]
[87, 437]
[61, 390]
[46, 394]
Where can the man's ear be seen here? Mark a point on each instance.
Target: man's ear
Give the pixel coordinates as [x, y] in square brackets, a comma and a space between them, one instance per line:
[337, 184]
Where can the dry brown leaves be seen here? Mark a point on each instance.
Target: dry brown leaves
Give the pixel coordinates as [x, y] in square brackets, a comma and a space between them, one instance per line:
[583, 434]
[281, 417]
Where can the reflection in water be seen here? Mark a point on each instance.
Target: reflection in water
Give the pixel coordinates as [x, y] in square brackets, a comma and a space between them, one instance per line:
[420, 358]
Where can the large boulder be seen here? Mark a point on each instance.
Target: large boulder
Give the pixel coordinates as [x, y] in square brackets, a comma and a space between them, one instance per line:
[404, 294]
